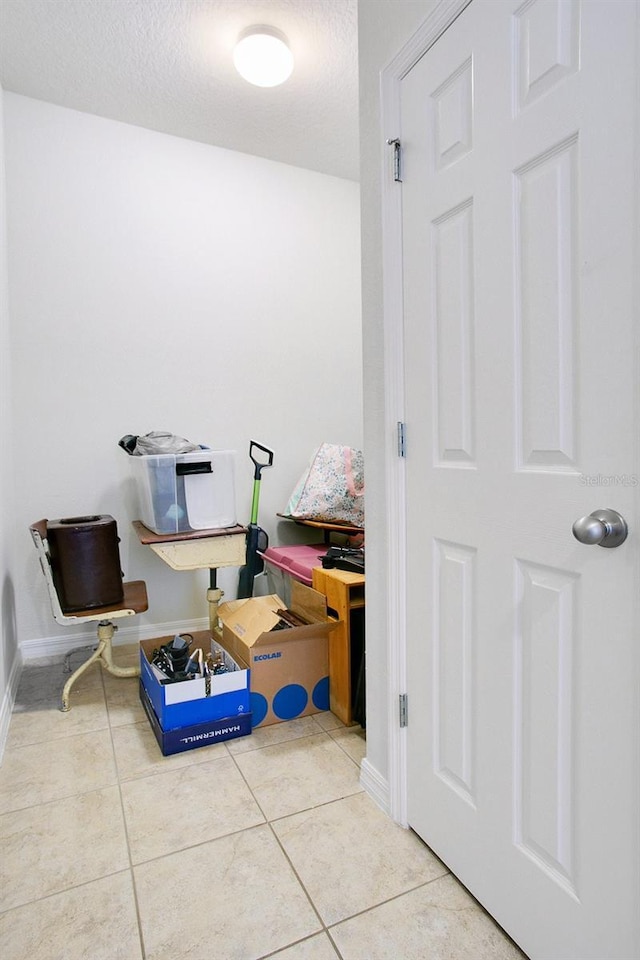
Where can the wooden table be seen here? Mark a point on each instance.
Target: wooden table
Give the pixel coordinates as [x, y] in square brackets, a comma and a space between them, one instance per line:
[198, 550]
[344, 592]
[346, 529]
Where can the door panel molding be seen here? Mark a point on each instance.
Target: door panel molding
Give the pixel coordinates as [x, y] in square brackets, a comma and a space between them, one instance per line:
[544, 755]
[545, 229]
[454, 353]
[547, 41]
[454, 616]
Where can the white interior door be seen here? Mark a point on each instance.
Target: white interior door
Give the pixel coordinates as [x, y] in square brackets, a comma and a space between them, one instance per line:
[519, 256]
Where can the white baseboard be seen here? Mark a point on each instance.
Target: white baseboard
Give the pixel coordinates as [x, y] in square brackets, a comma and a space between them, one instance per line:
[9, 699]
[375, 785]
[54, 646]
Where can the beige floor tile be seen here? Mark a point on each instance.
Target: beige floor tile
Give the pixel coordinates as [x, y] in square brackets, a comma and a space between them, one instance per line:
[43, 680]
[289, 777]
[315, 948]
[274, 733]
[351, 857]
[51, 770]
[126, 654]
[239, 900]
[138, 754]
[96, 921]
[79, 655]
[193, 826]
[123, 700]
[178, 809]
[328, 720]
[353, 742]
[439, 921]
[45, 721]
[58, 845]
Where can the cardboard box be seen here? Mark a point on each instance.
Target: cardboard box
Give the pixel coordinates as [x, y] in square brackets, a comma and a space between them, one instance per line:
[178, 705]
[197, 735]
[290, 667]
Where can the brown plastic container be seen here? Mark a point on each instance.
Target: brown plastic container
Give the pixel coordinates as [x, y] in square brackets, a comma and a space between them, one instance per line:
[85, 562]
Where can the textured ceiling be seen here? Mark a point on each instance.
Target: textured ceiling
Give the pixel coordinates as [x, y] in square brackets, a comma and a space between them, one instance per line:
[167, 65]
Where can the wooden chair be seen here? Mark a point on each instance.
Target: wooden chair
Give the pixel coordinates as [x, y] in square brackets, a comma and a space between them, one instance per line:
[135, 601]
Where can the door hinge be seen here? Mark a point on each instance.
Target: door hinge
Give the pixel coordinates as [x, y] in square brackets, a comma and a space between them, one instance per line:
[397, 159]
[404, 714]
[402, 447]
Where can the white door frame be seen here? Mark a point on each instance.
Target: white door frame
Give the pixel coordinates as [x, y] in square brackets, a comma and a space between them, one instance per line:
[433, 27]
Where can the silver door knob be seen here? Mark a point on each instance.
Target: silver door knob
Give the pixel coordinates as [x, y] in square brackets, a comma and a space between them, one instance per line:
[607, 528]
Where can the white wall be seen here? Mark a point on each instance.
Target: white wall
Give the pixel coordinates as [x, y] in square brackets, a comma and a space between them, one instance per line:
[384, 26]
[9, 660]
[158, 283]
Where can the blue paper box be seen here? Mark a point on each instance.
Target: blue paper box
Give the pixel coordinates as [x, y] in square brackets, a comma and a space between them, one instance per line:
[184, 704]
[197, 735]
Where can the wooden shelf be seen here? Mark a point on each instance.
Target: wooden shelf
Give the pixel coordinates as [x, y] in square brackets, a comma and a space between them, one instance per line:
[344, 593]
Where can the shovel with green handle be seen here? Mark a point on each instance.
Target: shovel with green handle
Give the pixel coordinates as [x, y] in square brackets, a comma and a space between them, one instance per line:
[257, 539]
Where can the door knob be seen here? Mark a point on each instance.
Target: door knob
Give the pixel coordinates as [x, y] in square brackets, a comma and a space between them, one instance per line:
[607, 528]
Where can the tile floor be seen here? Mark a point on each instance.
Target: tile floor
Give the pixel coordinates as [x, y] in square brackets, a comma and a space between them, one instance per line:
[264, 846]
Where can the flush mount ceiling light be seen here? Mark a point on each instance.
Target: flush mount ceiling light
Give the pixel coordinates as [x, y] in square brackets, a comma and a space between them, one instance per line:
[262, 56]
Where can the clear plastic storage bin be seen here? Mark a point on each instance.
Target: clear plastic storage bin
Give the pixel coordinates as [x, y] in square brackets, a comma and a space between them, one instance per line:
[186, 491]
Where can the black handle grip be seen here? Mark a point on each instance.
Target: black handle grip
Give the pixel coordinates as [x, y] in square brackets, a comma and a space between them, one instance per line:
[257, 539]
[259, 464]
[186, 469]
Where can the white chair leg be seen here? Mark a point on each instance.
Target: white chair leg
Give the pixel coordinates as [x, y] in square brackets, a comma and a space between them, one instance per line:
[96, 655]
[105, 632]
[104, 653]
